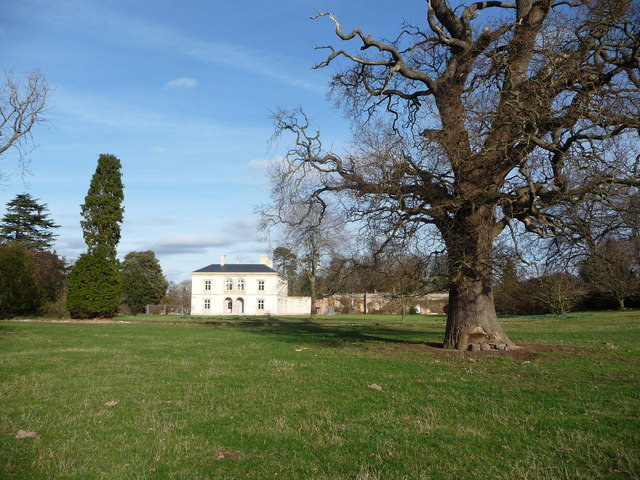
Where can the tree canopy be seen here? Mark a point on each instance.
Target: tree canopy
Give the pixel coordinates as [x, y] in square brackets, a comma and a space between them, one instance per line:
[143, 282]
[102, 211]
[27, 221]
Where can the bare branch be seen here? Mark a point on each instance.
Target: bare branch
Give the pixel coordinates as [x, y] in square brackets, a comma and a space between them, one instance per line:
[22, 107]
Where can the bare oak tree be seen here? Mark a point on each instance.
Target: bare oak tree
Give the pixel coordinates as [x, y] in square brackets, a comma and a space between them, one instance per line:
[22, 107]
[499, 114]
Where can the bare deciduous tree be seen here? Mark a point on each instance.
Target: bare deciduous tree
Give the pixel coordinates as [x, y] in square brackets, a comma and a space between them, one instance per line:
[499, 114]
[612, 269]
[405, 278]
[178, 294]
[558, 293]
[303, 221]
[22, 106]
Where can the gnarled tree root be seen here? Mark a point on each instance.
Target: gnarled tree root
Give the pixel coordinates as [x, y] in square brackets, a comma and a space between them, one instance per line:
[477, 338]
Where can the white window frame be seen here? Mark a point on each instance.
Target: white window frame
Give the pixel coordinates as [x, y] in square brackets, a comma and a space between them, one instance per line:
[240, 285]
[207, 304]
[260, 304]
[207, 285]
[228, 284]
[261, 285]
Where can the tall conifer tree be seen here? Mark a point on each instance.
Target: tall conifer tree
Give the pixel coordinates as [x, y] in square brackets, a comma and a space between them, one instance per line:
[94, 281]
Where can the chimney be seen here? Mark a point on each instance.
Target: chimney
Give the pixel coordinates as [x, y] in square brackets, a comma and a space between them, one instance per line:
[222, 259]
[238, 262]
[266, 260]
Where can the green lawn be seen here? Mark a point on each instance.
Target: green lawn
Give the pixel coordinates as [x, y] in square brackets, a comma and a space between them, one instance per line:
[345, 398]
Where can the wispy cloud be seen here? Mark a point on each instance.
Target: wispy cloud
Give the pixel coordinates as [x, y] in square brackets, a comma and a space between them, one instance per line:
[83, 109]
[182, 244]
[258, 165]
[158, 150]
[241, 228]
[182, 82]
[233, 233]
[97, 19]
[255, 61]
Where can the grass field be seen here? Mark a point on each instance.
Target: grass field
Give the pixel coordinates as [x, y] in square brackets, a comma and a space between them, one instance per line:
[344, 398]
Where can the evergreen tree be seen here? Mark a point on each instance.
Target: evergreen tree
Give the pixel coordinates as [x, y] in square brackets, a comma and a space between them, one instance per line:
[286, 262]
[94, 287]
[27, 222]
[94, 282]
[143, 282]
[102, 209]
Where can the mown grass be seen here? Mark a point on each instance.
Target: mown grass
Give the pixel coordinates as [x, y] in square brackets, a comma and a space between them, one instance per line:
[349, 400]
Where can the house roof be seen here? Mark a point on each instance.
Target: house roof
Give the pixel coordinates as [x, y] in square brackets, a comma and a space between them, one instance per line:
[236, 268]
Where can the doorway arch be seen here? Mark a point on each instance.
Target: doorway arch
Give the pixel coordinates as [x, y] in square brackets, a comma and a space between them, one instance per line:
[228, 305]
[239, 306]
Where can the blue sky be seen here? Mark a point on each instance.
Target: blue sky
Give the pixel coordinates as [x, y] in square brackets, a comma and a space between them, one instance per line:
[182, 92]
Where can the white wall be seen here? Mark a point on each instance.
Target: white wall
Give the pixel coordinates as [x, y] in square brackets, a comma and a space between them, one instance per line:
[274, 288]
[297, 306]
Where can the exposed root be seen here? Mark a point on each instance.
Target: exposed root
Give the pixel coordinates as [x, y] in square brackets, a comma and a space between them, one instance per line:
[478, 339]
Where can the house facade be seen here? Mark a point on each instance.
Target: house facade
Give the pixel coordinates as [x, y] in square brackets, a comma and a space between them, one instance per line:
[243, 289]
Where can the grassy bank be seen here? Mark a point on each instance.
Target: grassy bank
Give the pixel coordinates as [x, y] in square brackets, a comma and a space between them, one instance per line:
[352, 399]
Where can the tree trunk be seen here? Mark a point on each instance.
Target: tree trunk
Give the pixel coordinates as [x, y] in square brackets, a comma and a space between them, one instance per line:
[621, 303]
[314, 295]
[472, 323]
[313, 284]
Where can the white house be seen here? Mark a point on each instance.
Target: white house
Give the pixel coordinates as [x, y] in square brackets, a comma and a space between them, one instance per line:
[243, 289]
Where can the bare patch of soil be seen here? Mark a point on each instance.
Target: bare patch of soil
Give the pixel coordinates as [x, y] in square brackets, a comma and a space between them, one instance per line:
[224, 453]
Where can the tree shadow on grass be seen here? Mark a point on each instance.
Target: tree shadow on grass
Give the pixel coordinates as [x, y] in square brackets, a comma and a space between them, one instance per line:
[6, 330]
[341, 335]
[422, 340]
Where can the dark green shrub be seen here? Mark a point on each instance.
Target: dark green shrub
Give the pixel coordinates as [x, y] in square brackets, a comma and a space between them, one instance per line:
[93, 288]
[19, 290]
[50, 271]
